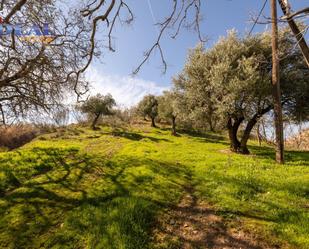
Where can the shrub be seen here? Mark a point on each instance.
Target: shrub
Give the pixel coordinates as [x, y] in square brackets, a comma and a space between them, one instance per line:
[14, 136]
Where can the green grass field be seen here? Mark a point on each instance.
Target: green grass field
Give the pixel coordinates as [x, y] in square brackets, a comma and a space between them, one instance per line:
[78, 188]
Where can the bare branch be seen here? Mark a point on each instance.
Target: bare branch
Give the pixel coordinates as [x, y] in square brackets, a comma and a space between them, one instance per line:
[15, 9]
[176, 19]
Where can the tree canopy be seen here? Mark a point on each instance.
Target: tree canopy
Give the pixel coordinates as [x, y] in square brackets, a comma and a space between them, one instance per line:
[168, 108]
[148, 107]
[97, 106]
[231, 82]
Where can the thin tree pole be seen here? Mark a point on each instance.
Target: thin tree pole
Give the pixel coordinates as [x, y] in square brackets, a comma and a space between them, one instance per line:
[276, 90]
[297, 33]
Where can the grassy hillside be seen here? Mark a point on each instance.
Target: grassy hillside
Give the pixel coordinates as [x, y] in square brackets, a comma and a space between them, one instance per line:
[79, 188]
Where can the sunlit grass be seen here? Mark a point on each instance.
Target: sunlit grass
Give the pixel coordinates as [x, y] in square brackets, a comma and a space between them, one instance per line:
[78, 188]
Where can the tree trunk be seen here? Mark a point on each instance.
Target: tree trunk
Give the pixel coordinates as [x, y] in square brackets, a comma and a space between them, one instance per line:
[94, 122]
[153, 124]
[258, 135]
[252, 122]
[211, 127]
[276, 86]
[297, 33]
[210, 118]
[243, 143]
[174, 133]
[264, 129]
[233, 129]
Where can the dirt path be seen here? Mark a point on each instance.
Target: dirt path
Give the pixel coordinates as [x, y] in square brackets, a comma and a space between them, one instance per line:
[194, 225]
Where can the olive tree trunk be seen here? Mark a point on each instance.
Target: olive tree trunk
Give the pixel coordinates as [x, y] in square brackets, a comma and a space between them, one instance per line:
[243, 149]
[153, 124]
[95, 120]
[210, 123]
[174, 133]
[233, 129]
[258, 135]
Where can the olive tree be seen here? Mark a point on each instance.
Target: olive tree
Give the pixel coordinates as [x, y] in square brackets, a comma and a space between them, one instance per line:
[168, 108]
[97, 106]
[148, 107]
[233, 80]
[199, 95]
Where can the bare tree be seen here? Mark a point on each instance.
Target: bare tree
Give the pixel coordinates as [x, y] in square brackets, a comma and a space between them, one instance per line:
[111, 13]
[36, 72]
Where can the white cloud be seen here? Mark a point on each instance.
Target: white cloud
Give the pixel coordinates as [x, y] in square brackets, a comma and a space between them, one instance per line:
[126, 90]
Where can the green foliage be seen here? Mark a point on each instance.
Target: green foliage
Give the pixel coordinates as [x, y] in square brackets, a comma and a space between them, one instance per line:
[170, 105]
[234, 76]
[148, 106]
[97, 106]
[230, 83]
[167, 108]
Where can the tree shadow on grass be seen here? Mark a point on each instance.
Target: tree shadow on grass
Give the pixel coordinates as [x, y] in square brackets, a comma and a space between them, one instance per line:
[292, 158]
[193, 224]
[264, 201]
[66, 199]
[205, 136]
[137, 137]
[297, 158]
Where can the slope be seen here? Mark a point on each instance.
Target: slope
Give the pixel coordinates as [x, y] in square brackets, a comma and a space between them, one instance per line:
[113, 188]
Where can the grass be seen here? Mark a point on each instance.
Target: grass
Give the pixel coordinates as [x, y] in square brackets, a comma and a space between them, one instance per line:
[78, 188]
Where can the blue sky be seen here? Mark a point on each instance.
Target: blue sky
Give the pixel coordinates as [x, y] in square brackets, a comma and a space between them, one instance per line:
[111, 73]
